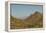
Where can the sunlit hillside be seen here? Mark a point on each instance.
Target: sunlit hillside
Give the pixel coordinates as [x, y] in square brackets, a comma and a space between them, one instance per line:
[33, 21]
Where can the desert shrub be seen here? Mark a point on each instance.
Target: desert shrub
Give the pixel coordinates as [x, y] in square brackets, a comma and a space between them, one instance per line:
[30, 26]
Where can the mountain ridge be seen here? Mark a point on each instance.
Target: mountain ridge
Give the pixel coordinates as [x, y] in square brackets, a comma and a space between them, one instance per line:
[33, 21]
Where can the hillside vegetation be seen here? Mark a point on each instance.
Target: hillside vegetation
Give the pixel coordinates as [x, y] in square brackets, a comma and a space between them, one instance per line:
[33, 21]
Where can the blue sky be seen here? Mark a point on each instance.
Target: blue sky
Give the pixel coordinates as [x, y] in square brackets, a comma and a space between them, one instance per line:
[23, 11]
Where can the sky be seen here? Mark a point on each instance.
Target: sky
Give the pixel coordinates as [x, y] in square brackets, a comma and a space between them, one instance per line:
[22, 11]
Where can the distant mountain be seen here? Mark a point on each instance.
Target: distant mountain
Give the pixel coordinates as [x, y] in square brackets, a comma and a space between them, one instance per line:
[34, 17]
[33, 21]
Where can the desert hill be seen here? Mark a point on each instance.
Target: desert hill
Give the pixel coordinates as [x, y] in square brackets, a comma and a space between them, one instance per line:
[33, 21]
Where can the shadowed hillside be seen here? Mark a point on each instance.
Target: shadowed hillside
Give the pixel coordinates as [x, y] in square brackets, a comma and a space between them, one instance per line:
[33, 21]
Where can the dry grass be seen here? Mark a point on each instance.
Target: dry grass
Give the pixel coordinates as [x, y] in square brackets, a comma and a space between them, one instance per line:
[34, 21]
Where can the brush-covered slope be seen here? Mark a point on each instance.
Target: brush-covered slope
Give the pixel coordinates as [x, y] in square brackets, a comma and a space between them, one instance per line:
[36, 20]
[33, 21]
